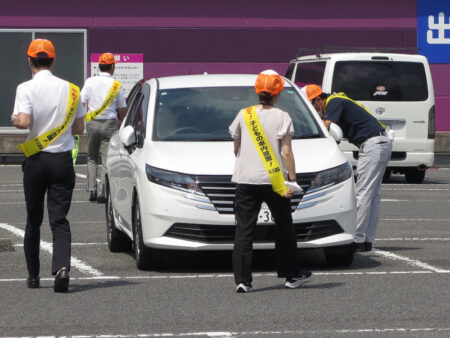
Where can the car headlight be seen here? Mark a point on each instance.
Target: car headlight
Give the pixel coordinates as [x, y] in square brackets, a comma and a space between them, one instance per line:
[174, 180]
[329, 177]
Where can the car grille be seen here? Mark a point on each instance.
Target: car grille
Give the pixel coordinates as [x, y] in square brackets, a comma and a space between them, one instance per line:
[221, 191]
[213, 233]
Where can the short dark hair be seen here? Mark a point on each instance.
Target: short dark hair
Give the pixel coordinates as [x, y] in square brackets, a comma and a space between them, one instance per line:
[42, 61]
[265, 98]
[105, 68]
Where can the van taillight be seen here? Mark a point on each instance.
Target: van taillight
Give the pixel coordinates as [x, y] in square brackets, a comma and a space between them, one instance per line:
[431, 123]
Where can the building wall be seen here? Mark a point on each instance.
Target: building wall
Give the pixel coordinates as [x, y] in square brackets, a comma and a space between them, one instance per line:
[236, 36]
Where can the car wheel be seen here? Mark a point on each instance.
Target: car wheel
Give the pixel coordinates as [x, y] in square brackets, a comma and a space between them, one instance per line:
[117, 240]
[414, 175]
[141, 252]
[339, 255]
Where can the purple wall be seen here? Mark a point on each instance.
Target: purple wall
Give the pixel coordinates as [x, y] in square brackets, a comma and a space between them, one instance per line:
[236, 36]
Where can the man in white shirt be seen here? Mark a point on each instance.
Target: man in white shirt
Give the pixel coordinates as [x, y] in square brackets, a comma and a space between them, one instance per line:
[103, 98]
[48, 106]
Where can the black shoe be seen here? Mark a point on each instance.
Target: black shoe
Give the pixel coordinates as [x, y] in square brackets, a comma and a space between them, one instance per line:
[293, 283]
[363, 246]
[359, 247]
[244, 287]
[33, 282]
[93, 196]
[101, 199]
[61, 281]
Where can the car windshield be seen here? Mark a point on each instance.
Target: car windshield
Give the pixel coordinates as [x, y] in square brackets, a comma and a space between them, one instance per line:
[381, 80]
[204, 114]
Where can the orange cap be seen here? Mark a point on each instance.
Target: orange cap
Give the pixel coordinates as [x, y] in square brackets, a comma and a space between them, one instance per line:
[41, 46]
[312, 91]
[269, 81]
[106, 59]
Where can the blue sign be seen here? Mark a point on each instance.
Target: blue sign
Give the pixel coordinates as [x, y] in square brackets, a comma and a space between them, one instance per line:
[433, 30]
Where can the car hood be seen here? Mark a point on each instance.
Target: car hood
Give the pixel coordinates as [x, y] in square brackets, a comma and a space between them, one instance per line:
[217, 158]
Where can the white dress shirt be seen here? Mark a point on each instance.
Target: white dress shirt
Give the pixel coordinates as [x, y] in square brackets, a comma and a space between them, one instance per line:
[45, 99]
[94, 93]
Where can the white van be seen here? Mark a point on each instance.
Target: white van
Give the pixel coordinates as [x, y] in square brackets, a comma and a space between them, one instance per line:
[396, 88]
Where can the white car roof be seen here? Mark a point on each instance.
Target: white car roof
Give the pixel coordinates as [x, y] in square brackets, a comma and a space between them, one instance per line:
[208, 80]
[363, 56]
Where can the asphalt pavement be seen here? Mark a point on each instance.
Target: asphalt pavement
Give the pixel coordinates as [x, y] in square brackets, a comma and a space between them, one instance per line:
[401, 289]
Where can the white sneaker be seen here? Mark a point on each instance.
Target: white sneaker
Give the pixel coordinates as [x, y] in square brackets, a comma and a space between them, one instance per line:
[292, 283]
[243, 288]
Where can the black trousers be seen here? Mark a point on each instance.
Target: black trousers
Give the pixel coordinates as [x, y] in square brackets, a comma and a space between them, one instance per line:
[50, 173]
[248, 202]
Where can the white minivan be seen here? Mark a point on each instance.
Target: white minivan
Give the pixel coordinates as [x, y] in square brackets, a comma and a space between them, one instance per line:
[396, 88]
[169, 172]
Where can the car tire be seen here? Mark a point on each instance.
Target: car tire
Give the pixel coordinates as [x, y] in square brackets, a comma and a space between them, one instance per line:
[116, 239]
[387, 174]
[414, 175]
[339, 256]
[142, 254]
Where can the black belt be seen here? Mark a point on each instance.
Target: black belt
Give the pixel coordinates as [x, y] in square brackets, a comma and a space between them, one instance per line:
[380, 133]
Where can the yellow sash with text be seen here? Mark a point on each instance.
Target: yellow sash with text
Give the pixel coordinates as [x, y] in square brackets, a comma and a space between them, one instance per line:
[92, 115]
[265, 150]
[42, 141]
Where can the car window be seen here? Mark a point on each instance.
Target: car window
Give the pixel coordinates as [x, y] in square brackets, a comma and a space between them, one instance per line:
[137, 112]
[290, 70]
[136, 88]
[309, 72]
[205, 113]
[381, 80]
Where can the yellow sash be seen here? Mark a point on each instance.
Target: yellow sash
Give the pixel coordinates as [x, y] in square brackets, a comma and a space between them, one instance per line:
[343, 96]
[41, 142]
[92, 115]
[264, 150]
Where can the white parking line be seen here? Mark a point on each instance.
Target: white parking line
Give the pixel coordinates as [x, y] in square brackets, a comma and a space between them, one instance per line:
[22, 203]
[416, 219]
[73, 244]
[414, 239]
[230, 275]
[21, 190]
[417, 189]
[409, 261]
[294, 333]
[261, 333]
[75, 262]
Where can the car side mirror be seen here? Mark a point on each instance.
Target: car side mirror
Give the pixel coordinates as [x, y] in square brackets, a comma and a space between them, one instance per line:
[127, 136]
[336, 132]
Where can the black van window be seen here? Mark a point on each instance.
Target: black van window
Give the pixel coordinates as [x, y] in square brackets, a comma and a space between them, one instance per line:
[381, 80]
[310, 72]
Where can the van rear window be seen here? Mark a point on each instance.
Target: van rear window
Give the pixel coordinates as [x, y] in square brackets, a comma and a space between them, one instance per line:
[309, 72]
[381, 80]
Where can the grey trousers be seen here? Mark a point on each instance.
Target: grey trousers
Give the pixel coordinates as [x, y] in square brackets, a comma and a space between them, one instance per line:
[374, 155]
[98, 134]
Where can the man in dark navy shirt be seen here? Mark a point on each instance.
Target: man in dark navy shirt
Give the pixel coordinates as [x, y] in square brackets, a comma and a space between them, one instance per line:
[369, 135]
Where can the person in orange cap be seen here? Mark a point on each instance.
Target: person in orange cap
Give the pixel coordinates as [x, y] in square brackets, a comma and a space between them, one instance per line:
[48, 107]
[363, 130]
[104, 100]
[260, 174]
